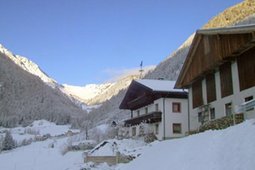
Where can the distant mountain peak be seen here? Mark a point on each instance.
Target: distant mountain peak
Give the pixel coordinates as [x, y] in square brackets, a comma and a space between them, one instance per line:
[29, 66]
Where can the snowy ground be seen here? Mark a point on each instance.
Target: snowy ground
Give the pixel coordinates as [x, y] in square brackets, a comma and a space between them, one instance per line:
[38, 128]
[232, 148]
[41, 156]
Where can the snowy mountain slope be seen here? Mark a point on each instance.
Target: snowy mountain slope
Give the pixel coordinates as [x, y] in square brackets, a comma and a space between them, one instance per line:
[232, 148]
[29, 66]
[87, 92]
[25, 97]
[94, 94]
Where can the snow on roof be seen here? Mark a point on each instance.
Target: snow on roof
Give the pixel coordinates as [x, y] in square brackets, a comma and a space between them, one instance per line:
[159, 85]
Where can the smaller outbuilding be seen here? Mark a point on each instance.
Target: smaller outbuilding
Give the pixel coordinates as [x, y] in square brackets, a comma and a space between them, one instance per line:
[156, 103]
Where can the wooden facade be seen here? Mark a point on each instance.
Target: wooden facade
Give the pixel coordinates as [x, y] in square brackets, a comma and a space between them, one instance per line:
[210, 87]
[226, 81]
[197, 94]
[246, 67]
[219, 71]
[210, 48]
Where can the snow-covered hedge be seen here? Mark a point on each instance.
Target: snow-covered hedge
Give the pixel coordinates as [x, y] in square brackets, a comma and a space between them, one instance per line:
[221, 123]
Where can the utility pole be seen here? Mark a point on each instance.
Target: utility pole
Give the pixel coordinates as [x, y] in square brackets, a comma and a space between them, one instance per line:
[141, 70]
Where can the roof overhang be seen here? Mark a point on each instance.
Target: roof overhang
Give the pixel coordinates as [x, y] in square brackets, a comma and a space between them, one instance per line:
[225, 44]
[138, 96]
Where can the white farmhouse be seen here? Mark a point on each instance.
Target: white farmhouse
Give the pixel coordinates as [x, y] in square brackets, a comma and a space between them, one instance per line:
[159, 105]
[219, 73]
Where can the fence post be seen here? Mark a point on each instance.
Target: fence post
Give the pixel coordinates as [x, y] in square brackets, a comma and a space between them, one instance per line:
[117, 157]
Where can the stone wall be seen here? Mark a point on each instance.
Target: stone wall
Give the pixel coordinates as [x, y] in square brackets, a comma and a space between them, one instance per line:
[222, 123]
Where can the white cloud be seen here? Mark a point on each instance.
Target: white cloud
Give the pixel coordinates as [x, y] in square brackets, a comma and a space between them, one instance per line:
[113, 74]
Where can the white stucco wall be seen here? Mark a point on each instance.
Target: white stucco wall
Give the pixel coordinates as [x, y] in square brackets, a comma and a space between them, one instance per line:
[168, 117]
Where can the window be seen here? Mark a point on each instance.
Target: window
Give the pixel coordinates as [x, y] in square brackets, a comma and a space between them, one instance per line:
[212, 113]
[133, 131]
[246, 69]
[176, 107]
[156, 128]
[146, 110]
[197, 94]
[249, 99]
[138, 113]
[177, 128]
[226, 80]
[228, 109]
[200, 117]
[156, 107]
[210, 88]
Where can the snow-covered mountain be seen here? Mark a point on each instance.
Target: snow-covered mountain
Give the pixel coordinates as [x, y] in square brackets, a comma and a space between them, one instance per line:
[87, 92]
[25, 97]
[94, 94]
[29, 66]
[91, 94]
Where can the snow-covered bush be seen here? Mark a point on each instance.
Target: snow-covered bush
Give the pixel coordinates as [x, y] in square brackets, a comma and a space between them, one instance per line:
[32, 131]
[146, 131]
[123, 133]
[26, 142]
[9, 143]
[150, 137]
[42, 138]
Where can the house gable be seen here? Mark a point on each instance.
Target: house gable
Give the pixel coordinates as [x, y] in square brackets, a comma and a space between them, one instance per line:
[143, 92]
[210, 48]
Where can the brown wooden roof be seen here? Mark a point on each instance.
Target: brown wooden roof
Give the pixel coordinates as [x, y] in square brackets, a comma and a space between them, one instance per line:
[139, 95]
[212, 47]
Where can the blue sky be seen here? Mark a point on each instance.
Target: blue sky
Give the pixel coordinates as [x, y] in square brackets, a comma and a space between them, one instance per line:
[90, 41]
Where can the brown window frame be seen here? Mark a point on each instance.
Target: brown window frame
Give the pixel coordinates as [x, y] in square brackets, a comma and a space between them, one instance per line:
[178, 104]
[210, 87]
[175, 131]
[197, 94]
[246, 69]
[226, 81]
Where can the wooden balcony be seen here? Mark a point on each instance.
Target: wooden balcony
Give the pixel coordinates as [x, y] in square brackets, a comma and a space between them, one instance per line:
[152, 117]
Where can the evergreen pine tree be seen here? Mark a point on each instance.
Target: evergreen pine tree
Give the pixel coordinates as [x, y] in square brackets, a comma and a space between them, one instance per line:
[8, 142]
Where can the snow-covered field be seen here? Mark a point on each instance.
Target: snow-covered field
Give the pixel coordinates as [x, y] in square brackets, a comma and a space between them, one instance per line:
[232, 148]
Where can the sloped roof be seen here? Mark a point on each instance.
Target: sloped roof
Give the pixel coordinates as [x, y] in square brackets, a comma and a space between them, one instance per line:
[212, 47]
[159, 85]
[143, 92]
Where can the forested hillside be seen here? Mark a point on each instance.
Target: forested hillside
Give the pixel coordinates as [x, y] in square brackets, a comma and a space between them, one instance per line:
[25, 97]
